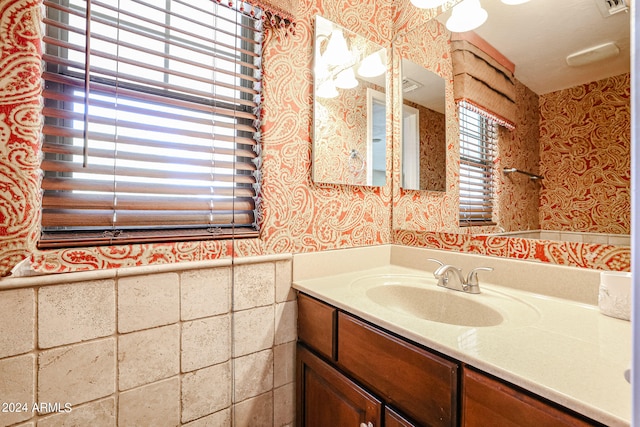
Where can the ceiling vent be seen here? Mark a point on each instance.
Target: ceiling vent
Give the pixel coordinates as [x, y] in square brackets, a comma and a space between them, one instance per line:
[611, 7]
[409, 85]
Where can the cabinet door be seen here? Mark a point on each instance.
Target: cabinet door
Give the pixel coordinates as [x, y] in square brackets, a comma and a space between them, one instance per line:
[327, 398]
[487, 401]
[417, 382]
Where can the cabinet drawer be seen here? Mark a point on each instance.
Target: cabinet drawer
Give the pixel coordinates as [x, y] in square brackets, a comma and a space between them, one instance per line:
[317, 325]
[486, 399]
[417, 382]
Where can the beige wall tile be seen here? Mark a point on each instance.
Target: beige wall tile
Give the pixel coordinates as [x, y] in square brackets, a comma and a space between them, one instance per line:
[76, 312]
[253, 375]
[253, 330]
[148, 356]
[284, 406]
[17, 378]
[254, 285]
[205, 293]
[205, 342]
[154, 348]
[156, 404]
[78, 373]
[17, 321]
[255, 412]
[284, 364]
[219, 419]
[206, 391]
[286, 322]
[619, 240]
[101, 413]
[148, 301]
[284, 292]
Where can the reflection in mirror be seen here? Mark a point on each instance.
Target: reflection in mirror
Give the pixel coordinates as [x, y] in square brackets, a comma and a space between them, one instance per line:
[376, 147]
[572, 122]
[349, 109]
[423, 129]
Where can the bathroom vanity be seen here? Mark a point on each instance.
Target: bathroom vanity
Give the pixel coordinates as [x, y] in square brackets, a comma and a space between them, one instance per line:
[345, 362]
[368, 356]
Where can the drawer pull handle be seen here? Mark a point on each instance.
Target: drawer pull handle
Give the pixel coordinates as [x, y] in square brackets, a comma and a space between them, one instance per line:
[369, 424]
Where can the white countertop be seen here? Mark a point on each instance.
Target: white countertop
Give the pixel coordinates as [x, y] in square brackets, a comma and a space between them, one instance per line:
[563, 350]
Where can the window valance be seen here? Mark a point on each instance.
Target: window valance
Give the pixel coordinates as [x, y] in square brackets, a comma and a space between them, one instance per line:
[483, 78]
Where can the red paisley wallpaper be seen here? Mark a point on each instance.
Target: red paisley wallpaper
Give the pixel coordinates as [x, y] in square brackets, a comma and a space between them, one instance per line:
[20, 123]
[297, 214]
[585, 154]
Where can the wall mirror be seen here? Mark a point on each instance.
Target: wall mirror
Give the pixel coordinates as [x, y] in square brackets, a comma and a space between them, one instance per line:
[581, 43]
[424, 128]
[539, 52]
[349, 107]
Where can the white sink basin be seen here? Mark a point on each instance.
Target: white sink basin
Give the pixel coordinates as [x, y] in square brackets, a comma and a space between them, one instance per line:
[420, 298]
[435, 305]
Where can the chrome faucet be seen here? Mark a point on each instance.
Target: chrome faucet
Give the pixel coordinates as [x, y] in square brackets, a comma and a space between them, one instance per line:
[444, 273]
[469, 284]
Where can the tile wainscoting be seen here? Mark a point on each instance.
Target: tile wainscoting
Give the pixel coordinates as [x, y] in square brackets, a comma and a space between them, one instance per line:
[156, 346]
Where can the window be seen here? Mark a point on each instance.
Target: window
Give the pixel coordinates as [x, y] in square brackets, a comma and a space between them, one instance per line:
[477, 141]
[151, 108]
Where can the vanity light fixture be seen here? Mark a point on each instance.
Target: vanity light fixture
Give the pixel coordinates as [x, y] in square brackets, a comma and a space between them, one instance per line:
[346, 79]
[337, 52]
[327, 89]
[372, 66]
[428, 4]
[510, 2]
[466, 16]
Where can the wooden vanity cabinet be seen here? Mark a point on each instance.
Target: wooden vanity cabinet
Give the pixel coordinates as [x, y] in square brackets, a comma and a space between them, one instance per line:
[420, 383]
[487, 399]
[344, 365]
[352, 373]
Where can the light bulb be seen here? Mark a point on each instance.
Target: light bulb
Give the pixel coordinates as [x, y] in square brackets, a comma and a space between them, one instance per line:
[466, 16]
[427, 4]
[337, 52]
[327, 89]
[372, 66]
[346, 79]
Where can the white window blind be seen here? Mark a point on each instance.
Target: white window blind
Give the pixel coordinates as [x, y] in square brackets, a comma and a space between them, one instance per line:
[151, 121]
[477, 144]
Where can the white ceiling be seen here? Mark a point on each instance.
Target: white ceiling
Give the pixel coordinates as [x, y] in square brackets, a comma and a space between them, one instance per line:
[538, 36]
[431, 93]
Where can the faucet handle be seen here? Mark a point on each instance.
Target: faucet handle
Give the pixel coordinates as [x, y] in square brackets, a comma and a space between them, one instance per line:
[472, 278]
[437, 261]
[440, 265]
